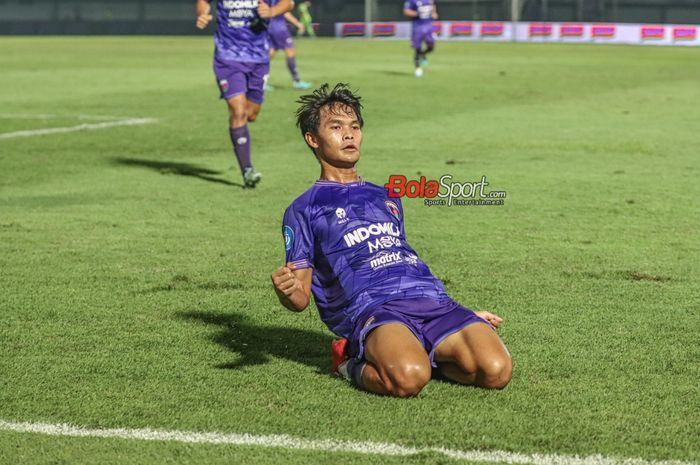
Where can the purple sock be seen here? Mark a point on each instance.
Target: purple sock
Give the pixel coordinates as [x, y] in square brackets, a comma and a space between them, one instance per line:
[292, 65]
[240, 138]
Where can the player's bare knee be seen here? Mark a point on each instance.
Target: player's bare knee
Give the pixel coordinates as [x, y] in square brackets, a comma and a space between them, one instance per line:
[252, 116]
[497, 372]
[407, 380]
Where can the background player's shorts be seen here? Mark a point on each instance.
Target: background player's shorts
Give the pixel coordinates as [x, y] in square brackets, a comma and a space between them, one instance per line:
[236, 78]
[280, 38]
[430, 320]
[420, 34]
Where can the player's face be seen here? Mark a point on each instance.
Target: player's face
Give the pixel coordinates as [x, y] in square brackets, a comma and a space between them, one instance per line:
[339, 136]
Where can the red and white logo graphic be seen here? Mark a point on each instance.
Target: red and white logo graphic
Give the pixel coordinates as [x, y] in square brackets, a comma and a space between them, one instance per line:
[393, 209]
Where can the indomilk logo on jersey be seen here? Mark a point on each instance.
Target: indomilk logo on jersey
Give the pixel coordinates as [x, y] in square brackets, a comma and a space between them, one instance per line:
[365, 232]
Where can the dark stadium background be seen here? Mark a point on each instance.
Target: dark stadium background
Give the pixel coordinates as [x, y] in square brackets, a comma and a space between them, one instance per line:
[176, 16]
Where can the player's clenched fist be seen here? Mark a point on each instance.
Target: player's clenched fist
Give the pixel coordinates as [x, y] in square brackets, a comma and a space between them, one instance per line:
[204, 20]
[284, 280]
[264, 10]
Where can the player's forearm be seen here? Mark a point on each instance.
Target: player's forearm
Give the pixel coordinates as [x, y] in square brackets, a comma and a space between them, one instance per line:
[410, 13]
[296, 302]
[282, 7]
[203, 7]
[290, 17]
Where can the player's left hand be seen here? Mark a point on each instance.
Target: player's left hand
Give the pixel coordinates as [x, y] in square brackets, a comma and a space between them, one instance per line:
[264, 10]
[495, 320]
[301, 29]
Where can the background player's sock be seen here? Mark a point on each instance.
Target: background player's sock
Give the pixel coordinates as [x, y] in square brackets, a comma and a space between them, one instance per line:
[292, 65]
[416, 58]
[240, 138]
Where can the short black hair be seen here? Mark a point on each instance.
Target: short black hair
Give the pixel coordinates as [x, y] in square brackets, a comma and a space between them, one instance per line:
[309, 112]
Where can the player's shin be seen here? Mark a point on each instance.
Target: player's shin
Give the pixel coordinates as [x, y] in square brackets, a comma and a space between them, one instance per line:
[240, 138]
[292, 66]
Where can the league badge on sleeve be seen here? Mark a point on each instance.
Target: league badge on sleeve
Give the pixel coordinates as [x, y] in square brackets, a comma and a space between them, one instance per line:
[288, 238]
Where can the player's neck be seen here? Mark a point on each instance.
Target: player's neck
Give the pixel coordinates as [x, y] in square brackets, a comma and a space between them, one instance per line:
[342, 175]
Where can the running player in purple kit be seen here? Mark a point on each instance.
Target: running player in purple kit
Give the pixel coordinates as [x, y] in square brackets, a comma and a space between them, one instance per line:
[242, 64]
[281, 39]
[345, 242]
[422, 12]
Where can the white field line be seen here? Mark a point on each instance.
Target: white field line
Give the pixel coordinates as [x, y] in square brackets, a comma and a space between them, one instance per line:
[79, 127]
[326, 445]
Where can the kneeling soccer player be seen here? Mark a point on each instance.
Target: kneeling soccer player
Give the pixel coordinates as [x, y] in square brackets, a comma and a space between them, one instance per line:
[345, 242]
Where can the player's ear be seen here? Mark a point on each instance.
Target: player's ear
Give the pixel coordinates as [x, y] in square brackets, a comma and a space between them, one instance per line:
[311, 140]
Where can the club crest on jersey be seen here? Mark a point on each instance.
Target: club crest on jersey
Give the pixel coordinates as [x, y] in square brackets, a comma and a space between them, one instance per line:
[224, 85]
[288, 238]
[393, 209]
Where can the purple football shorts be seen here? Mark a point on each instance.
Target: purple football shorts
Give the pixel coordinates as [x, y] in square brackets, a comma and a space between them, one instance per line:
[421, 34]
[430, 320]
[236, 78]
[280, 38]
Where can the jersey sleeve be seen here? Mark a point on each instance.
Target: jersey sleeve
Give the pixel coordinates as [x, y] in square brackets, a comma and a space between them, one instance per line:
[401, 217]
[298, 238]
[409, 5]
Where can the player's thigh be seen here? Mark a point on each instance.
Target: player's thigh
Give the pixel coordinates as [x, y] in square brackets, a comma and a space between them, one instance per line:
[396, 352]
[476, 347]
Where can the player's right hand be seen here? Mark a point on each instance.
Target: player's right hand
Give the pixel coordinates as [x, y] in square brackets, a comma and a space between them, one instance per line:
[301, 29]
[204, 20]
[285, 281]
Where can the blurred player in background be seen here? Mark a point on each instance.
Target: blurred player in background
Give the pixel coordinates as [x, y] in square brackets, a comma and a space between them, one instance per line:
[345, 241]
[305, 18]
[281, 39]
[422, 13]
[242, 65]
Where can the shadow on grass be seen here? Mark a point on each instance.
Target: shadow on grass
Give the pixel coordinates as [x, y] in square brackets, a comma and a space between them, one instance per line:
[255, 344]
[181, 169]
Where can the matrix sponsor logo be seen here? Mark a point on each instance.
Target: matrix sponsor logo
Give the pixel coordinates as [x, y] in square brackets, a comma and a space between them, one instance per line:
[444, 192]
[353, 30]
[605, 30]
[383, 259]
[491, 29]
[685, 33]
[652, 32]
[540, 30]
[571, 30]
[384, 30]
[363, 233]
[461, 29]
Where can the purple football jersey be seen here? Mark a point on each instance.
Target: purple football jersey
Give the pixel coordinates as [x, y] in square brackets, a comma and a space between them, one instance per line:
[353, 237]
[235, 41]
[424, 8]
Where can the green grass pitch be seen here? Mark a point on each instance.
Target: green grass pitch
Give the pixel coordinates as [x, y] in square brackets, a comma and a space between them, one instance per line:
[134, 271]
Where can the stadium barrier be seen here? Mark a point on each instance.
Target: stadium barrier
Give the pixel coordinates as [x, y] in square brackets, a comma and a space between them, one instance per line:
[505, 31]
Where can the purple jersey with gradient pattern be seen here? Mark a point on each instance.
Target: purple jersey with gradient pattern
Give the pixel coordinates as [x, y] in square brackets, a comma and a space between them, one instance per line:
[424, 8]
[352, 235]
[234, 40]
